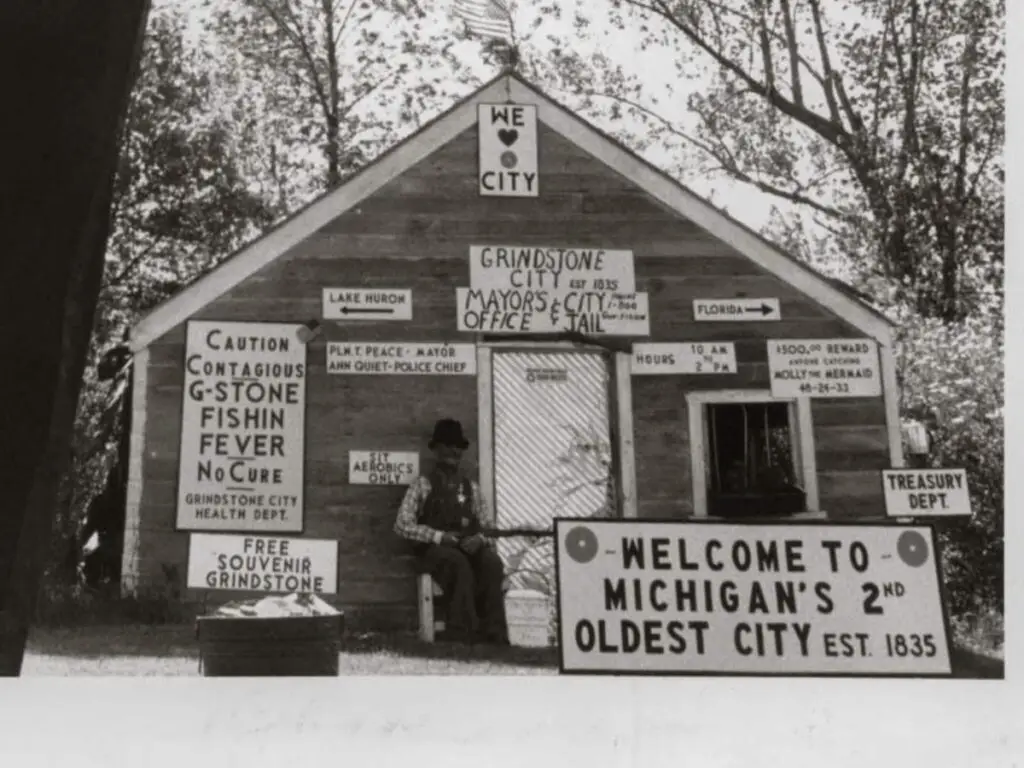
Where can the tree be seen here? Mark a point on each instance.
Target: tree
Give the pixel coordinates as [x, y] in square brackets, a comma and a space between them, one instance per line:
[181, 200]
[883, 121]
[320, 87]
[180, 204]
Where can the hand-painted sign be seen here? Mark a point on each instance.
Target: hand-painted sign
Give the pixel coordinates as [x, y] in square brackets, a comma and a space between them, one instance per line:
[242, 428]
[551, 270]
[382, 467]
[547, 290]
[367, 304]
[776, 599]
[508, 150]
[736, 310]
[391, 358]
[824, 368]
[262, 564]
[926, 492]
[602, 315]
[684, 358]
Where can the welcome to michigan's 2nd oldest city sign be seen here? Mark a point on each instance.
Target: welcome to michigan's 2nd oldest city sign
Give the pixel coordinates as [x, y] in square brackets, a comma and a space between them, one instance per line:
[775, 599]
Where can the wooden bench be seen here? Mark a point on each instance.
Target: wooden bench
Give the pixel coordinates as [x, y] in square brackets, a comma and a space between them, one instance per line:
[430, 596]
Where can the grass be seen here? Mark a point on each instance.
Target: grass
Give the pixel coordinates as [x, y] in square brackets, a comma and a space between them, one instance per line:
[172, 650]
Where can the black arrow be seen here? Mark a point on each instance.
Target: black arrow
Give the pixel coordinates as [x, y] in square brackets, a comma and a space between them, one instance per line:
[764, 309]
[384, 311]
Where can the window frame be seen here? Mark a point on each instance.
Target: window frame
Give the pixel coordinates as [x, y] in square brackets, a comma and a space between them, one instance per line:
[801, 426]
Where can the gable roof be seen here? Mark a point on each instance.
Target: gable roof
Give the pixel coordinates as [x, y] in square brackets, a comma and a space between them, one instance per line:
[840, 299]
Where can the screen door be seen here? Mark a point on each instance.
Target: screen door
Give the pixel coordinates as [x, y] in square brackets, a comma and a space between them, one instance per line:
[552, 437]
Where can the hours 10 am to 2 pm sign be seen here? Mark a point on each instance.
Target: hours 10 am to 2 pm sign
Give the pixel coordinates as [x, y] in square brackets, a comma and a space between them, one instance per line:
[824, 368]
[508, 150]
[262, 564]
[517, 289]
[668, 359]
[926, 492]
[397, 358]
[382, 467]
[778, 599]
[367, 304]
[243, 422]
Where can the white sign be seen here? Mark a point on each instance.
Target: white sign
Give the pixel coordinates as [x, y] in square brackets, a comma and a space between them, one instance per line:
[367, 304]
[539, 312]
[382, 467]
[508, 150]
[387, 357]
[824, 368]
[262, 564]
[775, 599]
[736, 310]
[549, 270]
[684, 358]
[242, 428]
[926, 492]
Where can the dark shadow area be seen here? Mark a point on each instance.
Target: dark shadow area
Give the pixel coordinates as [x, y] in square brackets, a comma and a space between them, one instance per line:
[102, 640]
[968, 665]
[411, 646]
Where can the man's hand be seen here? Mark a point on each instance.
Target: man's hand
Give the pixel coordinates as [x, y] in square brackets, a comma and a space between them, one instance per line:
[472, 544]
[449, 540]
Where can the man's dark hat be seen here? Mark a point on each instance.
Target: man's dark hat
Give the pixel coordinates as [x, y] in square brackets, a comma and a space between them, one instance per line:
[449, 432]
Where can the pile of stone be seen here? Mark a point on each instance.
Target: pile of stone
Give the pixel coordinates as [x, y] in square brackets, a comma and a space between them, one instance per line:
[277, 607]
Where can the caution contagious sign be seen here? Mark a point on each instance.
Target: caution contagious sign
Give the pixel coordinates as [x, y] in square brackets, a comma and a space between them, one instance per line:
[776, 599]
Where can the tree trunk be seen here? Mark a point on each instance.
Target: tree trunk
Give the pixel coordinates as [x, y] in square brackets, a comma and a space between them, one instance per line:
[67, 69]
[334, 99]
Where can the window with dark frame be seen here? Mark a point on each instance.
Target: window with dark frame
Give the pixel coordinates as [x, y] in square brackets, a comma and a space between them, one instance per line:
[752, 466]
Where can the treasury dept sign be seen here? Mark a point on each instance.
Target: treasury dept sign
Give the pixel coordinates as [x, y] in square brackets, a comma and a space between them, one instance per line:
[776, 599]
[243, 422]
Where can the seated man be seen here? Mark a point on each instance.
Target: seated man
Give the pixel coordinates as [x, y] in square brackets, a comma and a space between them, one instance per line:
[443, 514]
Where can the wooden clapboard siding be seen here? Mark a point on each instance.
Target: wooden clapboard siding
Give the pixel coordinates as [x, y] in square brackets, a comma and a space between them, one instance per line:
[415, 233]
[660, 446]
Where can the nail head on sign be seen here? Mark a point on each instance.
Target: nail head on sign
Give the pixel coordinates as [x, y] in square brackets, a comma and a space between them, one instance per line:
[509, 160]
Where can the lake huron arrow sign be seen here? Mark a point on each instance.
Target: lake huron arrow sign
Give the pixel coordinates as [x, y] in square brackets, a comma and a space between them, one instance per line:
[375, 303]
[736, 310]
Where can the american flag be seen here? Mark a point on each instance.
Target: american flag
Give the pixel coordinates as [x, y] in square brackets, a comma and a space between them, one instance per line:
[486, 18]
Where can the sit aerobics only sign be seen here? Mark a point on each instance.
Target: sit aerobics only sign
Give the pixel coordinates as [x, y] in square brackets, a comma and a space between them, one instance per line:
[658, 597]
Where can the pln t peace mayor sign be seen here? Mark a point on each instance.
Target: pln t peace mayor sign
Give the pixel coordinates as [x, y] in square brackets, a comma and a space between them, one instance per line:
[773, 599]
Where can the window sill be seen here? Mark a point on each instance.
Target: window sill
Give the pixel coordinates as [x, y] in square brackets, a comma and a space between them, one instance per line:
[798, 517]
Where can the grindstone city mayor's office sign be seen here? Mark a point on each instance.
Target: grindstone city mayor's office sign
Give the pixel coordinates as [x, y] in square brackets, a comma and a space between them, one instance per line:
[515, 289]
[777, 599]
[243, 421]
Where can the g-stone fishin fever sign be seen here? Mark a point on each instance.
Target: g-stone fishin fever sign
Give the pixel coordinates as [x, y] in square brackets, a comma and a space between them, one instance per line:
[242, 428]
[638, 597]
[526, 289]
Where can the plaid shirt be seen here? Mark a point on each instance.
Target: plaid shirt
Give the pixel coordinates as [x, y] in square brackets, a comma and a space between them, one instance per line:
[407, 524]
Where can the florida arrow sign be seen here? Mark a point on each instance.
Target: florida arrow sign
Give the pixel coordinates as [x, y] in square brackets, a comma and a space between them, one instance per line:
[736, 310]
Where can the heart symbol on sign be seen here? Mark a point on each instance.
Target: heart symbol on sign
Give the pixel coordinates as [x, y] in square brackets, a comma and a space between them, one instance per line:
[508, 138]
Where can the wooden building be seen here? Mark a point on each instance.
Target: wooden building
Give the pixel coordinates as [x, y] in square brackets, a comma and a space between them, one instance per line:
[689, 368]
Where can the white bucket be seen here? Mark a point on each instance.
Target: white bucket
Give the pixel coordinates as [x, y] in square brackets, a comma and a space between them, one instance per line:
[528, 618]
